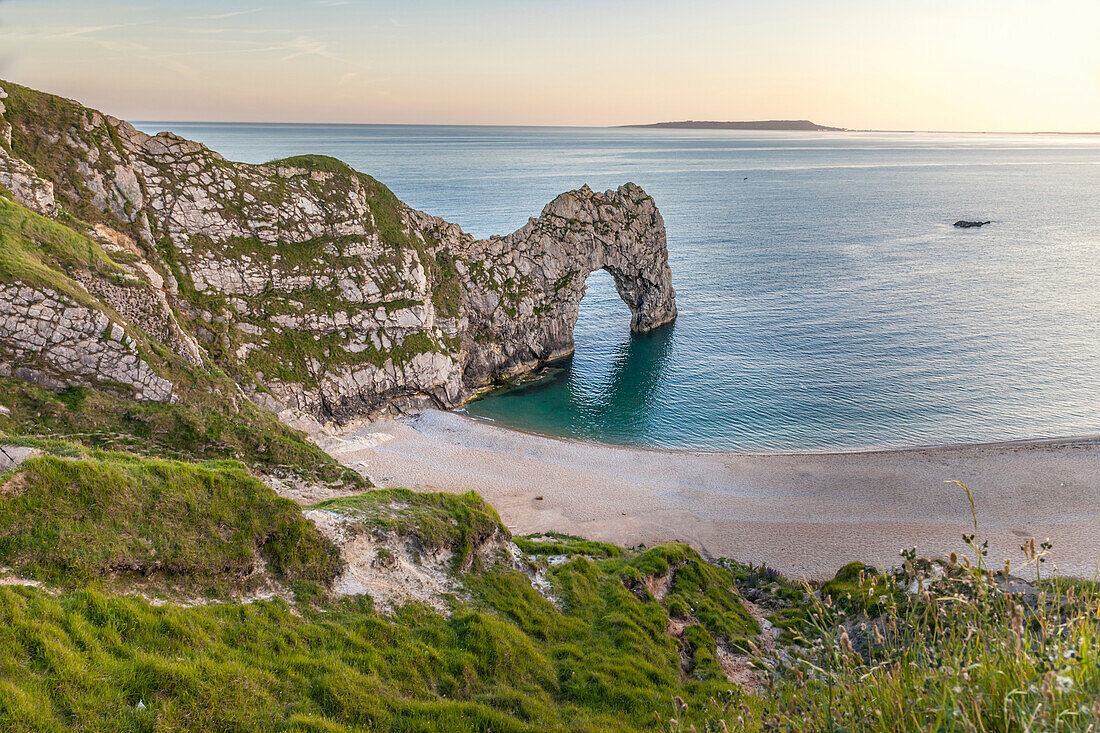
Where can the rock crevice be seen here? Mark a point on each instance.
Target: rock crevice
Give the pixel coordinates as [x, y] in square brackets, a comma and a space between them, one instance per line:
[49, 340]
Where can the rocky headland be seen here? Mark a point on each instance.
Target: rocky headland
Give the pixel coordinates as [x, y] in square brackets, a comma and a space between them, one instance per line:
[308, 282]
[781, 125]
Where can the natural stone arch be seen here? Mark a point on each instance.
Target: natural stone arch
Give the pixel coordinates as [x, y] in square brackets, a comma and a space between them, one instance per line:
[543, 267]
[368, 306]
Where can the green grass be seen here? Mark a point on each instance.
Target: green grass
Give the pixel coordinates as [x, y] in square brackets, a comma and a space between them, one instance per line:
[698, 590]
[961, 656]
[556, 543]
[597, 656]
[856, 587]
[459, 523]
[322, 163]
[508, 660]
[195, 526]
[39, 251]
[96, 419]
[385, 208]
[83, 661]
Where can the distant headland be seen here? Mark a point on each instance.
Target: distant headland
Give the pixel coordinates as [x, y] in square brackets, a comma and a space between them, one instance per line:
[789, 125]
[807, 126]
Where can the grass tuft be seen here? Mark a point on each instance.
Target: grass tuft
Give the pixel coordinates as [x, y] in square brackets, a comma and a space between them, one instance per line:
[460, 523]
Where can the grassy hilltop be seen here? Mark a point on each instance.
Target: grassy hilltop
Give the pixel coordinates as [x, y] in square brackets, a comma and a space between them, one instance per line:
[172, 595]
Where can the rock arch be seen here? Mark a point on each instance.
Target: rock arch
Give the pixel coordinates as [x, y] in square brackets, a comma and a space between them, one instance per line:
[523, 298]
[311, 282]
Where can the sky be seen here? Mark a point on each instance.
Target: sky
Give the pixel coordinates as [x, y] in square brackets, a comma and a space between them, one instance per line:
[988, 65]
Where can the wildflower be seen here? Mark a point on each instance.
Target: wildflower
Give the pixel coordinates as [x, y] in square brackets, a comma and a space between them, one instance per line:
[680, 705]
[1016, 620]
[845, 641]
[1048, 687]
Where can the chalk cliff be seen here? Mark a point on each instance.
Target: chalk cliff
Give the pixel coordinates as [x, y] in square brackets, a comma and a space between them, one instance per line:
[308, 282]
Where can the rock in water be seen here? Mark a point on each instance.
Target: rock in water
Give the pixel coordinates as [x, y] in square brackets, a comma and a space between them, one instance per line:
[964, 224]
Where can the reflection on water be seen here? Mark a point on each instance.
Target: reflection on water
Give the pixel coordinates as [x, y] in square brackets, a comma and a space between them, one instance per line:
[607, 390]
[637, 369]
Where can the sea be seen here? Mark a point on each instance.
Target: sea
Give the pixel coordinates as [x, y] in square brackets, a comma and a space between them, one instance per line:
[826, 301]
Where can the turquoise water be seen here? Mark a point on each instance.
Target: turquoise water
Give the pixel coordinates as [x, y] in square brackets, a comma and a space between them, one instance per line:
[825, 302]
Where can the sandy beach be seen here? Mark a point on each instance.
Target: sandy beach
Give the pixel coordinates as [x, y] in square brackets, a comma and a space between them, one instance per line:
[805, 514]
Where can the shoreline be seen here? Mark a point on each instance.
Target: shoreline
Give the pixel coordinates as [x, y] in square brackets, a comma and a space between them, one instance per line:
[1059, 441]
[805, 513]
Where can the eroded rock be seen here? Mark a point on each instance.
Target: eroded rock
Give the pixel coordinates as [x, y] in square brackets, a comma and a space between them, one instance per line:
[316, 288]
[50, 340]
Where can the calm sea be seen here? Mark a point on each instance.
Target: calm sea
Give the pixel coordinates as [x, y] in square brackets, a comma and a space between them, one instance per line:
[825, 299]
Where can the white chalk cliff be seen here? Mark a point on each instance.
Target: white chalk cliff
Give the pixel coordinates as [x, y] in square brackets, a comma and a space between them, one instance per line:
[307, 281]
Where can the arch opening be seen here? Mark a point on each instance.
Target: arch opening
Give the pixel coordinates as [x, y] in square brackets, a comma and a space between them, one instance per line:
[602, 312]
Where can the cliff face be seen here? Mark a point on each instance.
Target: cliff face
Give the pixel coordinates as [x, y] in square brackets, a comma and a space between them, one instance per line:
[307, 281]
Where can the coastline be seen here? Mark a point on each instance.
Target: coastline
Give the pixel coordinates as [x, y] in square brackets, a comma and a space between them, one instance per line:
[805, 513]
[1053, 442]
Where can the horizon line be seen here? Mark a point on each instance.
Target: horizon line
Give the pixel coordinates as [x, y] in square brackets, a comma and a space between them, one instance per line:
[632, 126]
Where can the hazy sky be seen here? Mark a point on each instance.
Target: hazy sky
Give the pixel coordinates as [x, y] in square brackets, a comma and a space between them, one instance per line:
[932, 64]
